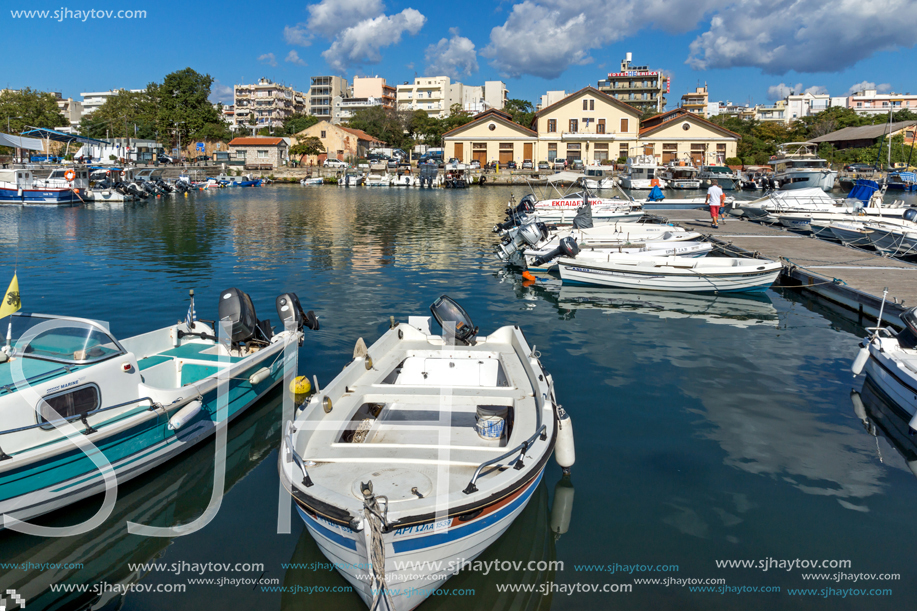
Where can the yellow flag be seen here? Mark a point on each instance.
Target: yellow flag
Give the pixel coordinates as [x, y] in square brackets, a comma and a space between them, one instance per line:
[11, 301]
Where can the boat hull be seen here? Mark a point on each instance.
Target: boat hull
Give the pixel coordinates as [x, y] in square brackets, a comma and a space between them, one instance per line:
[411, 552]
[822, 179]
[898, 382]
[39, 197]
[658, 279]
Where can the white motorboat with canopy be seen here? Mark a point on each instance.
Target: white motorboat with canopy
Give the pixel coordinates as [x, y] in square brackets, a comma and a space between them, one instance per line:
[424, 449]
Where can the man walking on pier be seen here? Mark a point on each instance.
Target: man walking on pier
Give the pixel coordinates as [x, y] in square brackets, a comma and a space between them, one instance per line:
[715, 199]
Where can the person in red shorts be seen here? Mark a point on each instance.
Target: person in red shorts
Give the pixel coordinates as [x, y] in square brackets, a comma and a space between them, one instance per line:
[715, 199]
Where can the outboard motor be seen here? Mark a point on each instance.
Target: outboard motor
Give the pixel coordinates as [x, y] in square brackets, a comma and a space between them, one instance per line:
[520, 237]
[910, 214]
[525, 205]
[289, 309]
[238, 308]
[445, 310]
[567, 248]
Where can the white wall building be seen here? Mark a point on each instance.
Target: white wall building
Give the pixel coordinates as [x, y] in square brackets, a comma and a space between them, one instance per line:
[432, 94]
[871, 102]
[551, 97]
[92, 100]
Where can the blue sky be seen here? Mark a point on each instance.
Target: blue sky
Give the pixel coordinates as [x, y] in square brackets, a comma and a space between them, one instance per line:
[745, 50]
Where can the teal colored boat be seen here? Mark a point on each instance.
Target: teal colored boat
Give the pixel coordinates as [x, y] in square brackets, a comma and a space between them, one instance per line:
[138, 402]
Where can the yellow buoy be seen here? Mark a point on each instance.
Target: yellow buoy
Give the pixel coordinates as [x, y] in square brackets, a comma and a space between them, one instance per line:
[301, 388]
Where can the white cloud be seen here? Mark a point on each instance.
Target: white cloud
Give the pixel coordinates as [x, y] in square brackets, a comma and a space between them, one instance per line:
[453, 57]
[293, 58]
[220, 93]
[816, 90]
[881, 88]
[360, 43]
[802, 35]
[779, 92]
[268, 58]
[545, 37]
[329, 18]
[297, 35]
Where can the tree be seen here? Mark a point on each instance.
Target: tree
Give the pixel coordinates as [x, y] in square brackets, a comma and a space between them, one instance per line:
[181, 103]
[119, 115]
[298, 122]
[385, 124]
[522, 111]
[307, 145]
[29, 107]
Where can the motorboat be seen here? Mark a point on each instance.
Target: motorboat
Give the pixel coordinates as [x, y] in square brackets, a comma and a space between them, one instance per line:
[798, 166]
[17, 186]
[545, 259]
[799, 206]
[378, 180]
[106, 185]
[641, 172]
[889, 359]
[422, 451]
[404, 179]
[351, 179]
[658, 201]
[901, 181]
[709, 274]
[723, 175]
[681, 175]
[455, 177]
[126, 405]
[312, 181]
[597, 177]
[850, 233]
[897, 238]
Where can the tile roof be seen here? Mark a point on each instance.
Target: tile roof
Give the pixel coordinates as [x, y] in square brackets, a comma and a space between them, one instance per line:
[666, 117]
[491, 113]
[359, 133]
[595, 92]
[255, 141]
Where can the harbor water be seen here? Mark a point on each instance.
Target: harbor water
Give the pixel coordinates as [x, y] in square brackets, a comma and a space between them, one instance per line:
[709, 429]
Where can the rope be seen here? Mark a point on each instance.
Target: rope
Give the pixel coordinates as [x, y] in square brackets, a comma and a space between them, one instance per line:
[375, 520]
[795, 265]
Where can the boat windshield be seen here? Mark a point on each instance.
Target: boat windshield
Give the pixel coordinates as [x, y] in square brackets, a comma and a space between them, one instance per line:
[61, 339]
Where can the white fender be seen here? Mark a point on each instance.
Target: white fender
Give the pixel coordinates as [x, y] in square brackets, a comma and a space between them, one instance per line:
[860, 361]
[184, 415]
[564, 452]
[259, 376]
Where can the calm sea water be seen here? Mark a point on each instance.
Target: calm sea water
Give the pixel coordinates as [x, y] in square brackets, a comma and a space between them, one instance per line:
[707, 428]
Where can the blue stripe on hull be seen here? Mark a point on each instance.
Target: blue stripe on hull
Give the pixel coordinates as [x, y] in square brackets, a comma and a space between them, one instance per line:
[33, 196]
[326, 532]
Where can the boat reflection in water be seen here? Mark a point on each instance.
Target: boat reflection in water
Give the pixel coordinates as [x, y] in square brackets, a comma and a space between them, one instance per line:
[739, 311]
[530, 538]
[879, 413]
[178, 494]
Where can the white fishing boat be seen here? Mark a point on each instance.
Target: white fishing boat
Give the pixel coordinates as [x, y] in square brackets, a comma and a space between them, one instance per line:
[897, 238]
[131, 404]
[725, 177]
[423, 450]
[681, 175]
[814, 204]
[404, 179]
[351, 179]
[641, 172]
[17, 186]
[312, 181]
[798, 166]
[890, 361]
[717, 274]
[545, 260]
[378, 180]
[597, 177]
[850, 233]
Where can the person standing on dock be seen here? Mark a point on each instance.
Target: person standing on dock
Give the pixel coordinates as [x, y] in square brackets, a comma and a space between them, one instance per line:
[715, 199]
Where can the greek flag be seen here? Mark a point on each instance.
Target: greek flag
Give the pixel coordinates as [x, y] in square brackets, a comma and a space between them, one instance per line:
[191, 316]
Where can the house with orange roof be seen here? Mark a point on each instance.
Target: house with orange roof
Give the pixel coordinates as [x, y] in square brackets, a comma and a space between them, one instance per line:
[680, 135]
[340, 142]
[259, 151]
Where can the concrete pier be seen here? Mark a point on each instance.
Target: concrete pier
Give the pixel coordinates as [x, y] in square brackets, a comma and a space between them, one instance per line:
[851, 277]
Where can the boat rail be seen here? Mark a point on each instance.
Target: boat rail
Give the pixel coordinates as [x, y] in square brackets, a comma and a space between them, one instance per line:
[296, 458]
[12, 385]
[521, 448]
[82, 417]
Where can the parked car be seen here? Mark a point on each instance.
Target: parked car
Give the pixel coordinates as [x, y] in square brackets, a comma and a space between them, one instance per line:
[578, 165]
[475, 164]
[544, 165]
[510, 165]
[527, 164]
[334, 163]
[163, 158]
[560, 164]
[202, 158]
[858, 167]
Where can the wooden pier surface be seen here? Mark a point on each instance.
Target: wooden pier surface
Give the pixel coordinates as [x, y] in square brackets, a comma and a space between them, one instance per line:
[853, 277]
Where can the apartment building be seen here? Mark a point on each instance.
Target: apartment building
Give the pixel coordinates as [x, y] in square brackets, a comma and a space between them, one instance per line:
[696, 101]
[374, 87]
[638, 86]
[265, 104]
[871, 102]
[774, 113]
[432, 94]
[72, 111]
[477, 99]
[343, 109]
[551, 97]
[322, 93]
[93, 100]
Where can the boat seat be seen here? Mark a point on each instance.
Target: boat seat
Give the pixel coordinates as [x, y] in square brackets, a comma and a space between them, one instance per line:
[196, 352]
[152, 361]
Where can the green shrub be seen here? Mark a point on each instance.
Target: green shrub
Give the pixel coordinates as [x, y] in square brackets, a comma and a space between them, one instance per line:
[331, 180]
[733, 161]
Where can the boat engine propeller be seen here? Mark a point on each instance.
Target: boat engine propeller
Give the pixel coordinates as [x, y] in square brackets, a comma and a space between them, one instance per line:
[446, 310]
[567, 248]
[518, 215]
[289, 309]
[517, 238]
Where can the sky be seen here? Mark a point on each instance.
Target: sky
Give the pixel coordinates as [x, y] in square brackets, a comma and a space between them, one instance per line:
[746, 51]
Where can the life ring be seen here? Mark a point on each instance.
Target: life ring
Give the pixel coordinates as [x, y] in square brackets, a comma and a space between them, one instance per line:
[654, 182]
[70, 175]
